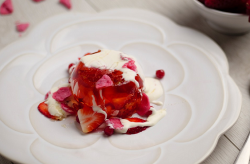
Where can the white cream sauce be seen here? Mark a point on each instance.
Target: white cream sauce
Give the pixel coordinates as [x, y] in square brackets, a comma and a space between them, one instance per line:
[54, 107]
[153, 89]
[110, 59]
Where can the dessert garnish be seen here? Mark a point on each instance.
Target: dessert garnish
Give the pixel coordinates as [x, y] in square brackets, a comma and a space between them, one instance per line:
[106, 88]
[160, 73]
[66, 3]
[6, 7]
[21, 27]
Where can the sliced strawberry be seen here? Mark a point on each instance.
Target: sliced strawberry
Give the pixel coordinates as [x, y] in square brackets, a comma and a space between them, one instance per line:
[70, 65]
[89, 119]
[43, 108]
[71, 103]
[135, 119]
[137, 129]
[144, 106]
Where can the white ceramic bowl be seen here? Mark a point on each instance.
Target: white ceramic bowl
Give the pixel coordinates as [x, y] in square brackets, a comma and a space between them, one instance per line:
[224, 22]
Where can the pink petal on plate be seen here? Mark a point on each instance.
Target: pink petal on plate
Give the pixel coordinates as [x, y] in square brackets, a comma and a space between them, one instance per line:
[6, 7]
[105, 81]
[115, 122]
[66, 3]
[144, 106]
[21, 27]
[62, 93]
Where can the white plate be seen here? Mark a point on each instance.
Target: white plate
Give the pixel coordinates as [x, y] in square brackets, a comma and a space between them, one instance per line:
[201, 99]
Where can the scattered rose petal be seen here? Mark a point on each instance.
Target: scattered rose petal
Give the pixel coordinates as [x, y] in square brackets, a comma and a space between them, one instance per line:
[105, 81]
[61, 94]
[130, 65]
[144, 106]
[66, 3]
[47, 95]
[21, 27]
[115, 123]
[6, 7]
[37, 0]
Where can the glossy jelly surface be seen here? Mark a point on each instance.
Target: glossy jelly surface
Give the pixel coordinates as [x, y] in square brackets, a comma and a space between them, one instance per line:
[120, 100]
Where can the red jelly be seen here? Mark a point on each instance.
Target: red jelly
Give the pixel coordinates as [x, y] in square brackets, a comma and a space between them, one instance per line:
[119, 100]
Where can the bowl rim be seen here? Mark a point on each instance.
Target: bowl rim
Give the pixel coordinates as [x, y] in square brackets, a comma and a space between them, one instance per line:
[218, 12]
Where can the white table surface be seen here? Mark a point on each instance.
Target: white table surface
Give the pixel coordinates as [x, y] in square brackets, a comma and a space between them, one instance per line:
[183, 12]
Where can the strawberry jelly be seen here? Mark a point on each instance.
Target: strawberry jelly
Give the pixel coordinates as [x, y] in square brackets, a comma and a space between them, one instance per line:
[119, 100]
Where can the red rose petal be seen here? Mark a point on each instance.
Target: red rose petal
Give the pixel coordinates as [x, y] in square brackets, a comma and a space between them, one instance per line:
[130, 65]
[66, 3]
[37, 0]
[21, 27]
[6, 7]
[62, 94]
[105, 81]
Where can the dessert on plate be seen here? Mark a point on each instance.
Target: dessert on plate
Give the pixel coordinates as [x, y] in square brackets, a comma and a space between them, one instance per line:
[106, 88]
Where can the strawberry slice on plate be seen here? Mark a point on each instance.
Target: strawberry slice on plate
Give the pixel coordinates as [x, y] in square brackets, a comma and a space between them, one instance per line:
[43, 108]
[89, 119]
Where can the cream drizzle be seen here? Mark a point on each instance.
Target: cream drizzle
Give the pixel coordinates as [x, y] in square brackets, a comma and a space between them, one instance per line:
[110, 59]
[96, 108]
[153, 119]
